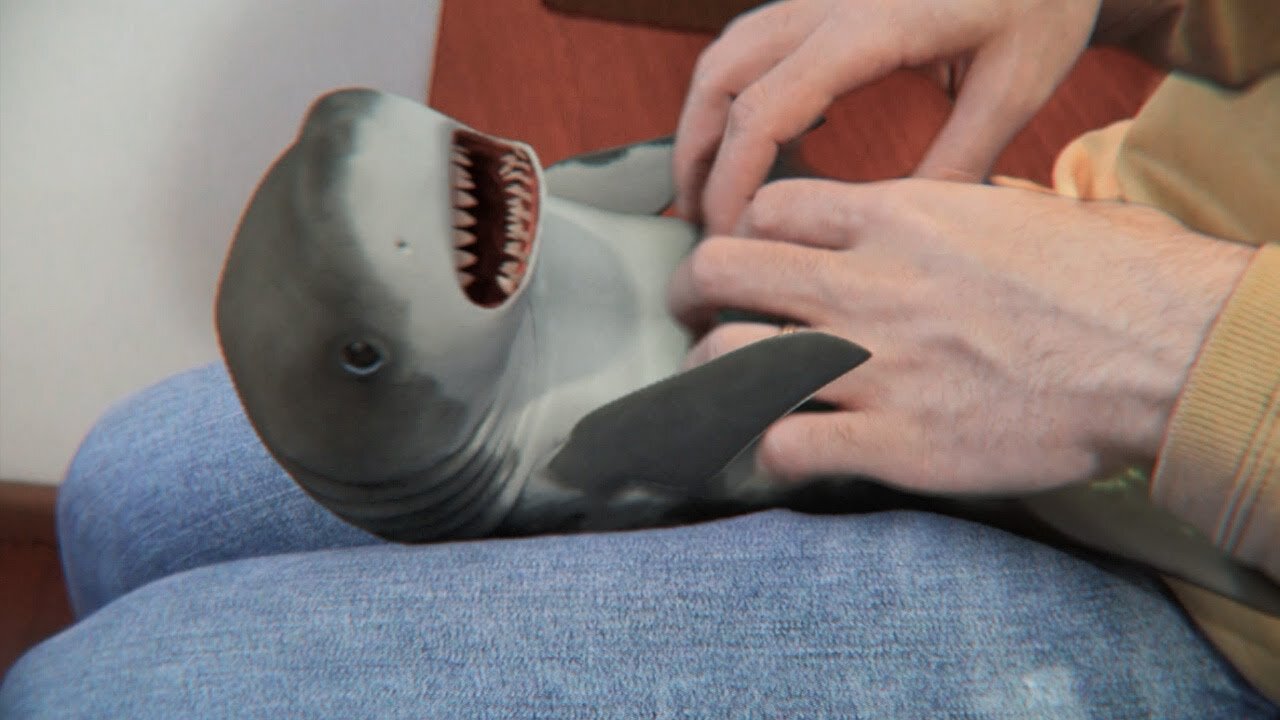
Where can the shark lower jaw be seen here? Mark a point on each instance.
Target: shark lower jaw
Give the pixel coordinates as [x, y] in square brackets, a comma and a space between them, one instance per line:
[495, 198]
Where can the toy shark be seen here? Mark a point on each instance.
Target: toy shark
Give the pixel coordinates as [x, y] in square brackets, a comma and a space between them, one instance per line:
[434, 346]
[439, 339]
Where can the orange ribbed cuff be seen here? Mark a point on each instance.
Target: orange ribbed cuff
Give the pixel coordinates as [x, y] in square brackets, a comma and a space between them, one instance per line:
[1219, 468]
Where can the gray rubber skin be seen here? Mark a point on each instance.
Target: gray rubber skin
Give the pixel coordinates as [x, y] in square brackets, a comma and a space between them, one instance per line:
[411, 409]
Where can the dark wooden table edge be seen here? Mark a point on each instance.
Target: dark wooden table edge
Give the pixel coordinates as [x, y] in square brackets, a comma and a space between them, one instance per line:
[27, 512]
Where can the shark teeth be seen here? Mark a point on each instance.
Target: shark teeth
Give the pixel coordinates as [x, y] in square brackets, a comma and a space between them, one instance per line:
[511, 163]
[494, 198]
[464, 199]
[516, 249]
[460, 175]
[518, 191]
[519, 211]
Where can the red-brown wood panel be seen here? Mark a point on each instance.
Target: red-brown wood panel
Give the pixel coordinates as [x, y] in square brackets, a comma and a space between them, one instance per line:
[33, 601]
[564, 84]
[570, 83]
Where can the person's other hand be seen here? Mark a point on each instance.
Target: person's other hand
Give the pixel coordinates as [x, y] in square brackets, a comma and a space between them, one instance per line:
[774, 71]
[1020, 340]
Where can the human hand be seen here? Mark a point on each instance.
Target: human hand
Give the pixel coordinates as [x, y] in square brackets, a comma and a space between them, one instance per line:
[1020, 340]
[774, 71]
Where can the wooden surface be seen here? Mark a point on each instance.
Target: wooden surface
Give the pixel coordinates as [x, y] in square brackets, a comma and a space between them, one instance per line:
[570, 84]
[567, 84]
[26, 512]
[33, 601]
[706, 15]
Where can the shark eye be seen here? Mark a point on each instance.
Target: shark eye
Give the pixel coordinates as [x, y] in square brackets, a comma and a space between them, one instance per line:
[361, 359]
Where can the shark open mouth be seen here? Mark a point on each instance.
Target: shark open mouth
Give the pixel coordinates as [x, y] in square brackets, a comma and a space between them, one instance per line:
[495, 216]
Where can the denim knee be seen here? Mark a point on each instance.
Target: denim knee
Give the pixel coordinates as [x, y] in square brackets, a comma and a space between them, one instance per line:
[772, 614]
[130, 478]
[176, 478]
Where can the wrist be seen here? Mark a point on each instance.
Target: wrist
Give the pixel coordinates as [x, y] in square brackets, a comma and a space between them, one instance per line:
[1202, 280]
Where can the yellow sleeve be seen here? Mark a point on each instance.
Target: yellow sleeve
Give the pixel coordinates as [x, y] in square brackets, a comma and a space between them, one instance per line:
[1219, 468]
[1209, 156]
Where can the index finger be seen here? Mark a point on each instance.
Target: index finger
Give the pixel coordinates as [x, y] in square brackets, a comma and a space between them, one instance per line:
[817, 212]
[750, 46]
[777, 279]
[776, 109]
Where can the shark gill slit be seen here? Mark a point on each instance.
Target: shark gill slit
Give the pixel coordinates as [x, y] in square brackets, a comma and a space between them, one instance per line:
[426, 515]
[475, 475]
[463, 472]
[482, 518]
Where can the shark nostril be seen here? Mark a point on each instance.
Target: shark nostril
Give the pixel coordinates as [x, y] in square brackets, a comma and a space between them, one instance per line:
[361, 358]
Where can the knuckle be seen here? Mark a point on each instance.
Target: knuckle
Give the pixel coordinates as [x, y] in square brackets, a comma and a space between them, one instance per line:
[721, 341]
[747, 112]
[708, 73]
[714, 345]
[775, 452]
[869, 390]
[762, 214]
[830, 286]
[808, 265]
[898, 199]
[781, 194]
[902, 190]
[843, 436]
[707, 265]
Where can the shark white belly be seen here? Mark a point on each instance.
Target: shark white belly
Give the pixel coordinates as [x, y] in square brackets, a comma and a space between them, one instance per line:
[599, 314]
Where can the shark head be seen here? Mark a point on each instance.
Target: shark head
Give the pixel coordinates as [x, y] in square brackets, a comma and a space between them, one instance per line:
[374, 290]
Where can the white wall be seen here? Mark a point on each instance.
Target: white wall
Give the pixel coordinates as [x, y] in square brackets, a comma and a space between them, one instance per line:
[131, 134]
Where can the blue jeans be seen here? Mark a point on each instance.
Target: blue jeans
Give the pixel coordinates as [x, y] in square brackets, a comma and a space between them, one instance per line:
[208, 585]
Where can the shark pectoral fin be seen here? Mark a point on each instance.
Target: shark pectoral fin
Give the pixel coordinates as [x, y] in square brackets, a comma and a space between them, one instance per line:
[679, 433]
[634, 179]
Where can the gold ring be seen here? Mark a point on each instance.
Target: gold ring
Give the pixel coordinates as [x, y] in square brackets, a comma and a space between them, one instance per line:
[788, 329]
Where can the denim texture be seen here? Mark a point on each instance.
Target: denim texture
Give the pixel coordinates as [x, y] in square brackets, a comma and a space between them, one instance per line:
[210, 586]
[175, 478]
